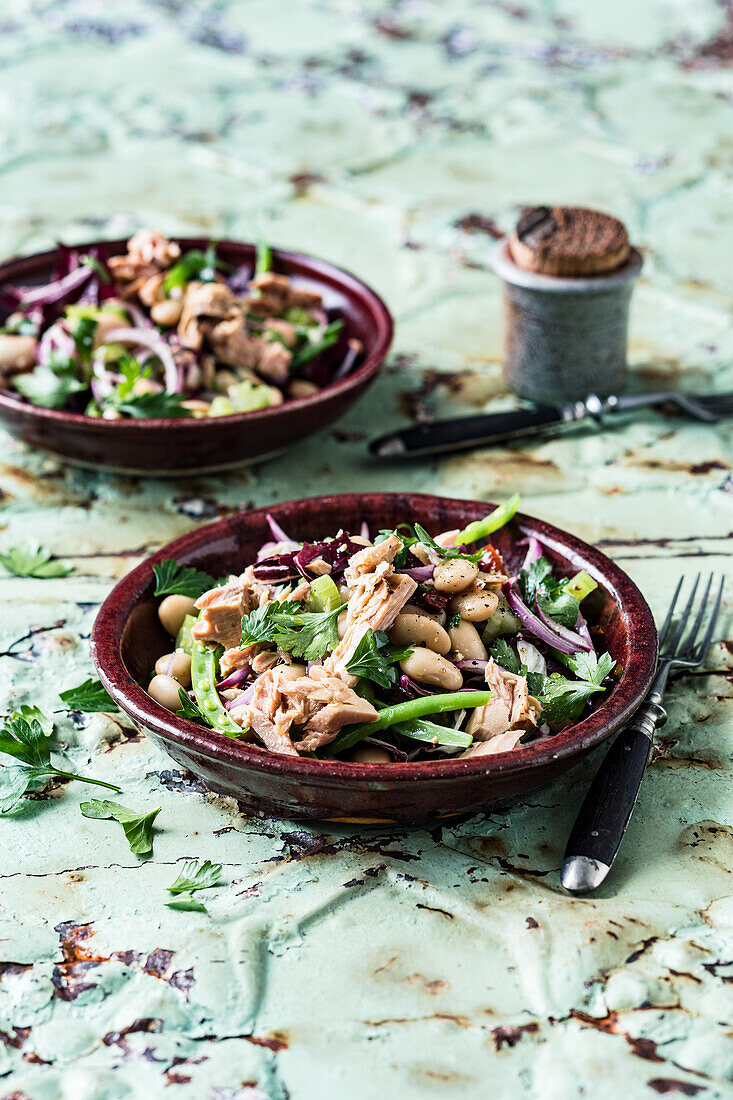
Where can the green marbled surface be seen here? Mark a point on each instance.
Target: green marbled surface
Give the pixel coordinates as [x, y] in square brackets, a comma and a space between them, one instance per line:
[341, 962]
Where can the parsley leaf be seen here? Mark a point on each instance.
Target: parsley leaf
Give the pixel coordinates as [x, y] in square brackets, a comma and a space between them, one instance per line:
[48, 388]
[82, 332]
[447, 553]
[196, 876]
[538, 585]
[194, 265]
[29, 713]
[505, 656]
[328, 337]
[374, 658]
[563, 700]
[454, 621]
[172, 579]
[154, 406]
[33, 560]
[137, 827]
[89, 697]
[308, 634]
[25, 740]
[189, 709]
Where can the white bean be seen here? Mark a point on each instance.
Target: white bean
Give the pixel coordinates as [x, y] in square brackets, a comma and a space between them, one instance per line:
[370, 754]
[475, 605]
[167, 312]
[430, 668]
[291, 672]
[16, 352]
[173, 610]
[409, 629]
[438, 617]
[455, 575]
[177, 665]
[301, 387]
[466, 642]
[164, 689]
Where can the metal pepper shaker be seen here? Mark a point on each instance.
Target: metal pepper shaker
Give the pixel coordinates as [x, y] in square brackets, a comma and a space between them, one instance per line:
[568, 276]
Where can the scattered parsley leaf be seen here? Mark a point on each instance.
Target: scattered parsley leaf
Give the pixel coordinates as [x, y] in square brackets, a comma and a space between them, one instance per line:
[33, 560]
[188, 903]
[138, 827]
[26, 741]
[29, 713]
[454, 621]
[172, 579]
[196, 876]
[89, 697]
[374, 658]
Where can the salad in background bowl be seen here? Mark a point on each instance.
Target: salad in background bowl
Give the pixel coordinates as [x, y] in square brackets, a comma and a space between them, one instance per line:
[146, 355]
[391, 656]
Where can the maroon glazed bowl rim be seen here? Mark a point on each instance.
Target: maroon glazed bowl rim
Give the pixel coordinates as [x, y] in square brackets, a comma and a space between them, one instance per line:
[319, 270]
[608, 716]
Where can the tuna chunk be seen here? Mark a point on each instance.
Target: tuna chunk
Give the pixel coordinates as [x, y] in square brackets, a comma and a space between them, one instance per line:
[511, 708]
[275, 294]
[220, 622]
[233, 344]
[274, 362]
[367, 560]
[503, 742]
[378, 594]
[204, 304]
[318, 703]
[148, 252]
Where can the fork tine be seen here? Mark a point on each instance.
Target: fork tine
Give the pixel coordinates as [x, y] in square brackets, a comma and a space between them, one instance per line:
[683, 618]
[705, 643]
[668, 620]
[686, 647]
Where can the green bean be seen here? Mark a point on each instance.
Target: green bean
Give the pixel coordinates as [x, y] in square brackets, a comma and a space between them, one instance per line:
[203, 681]
[405, 712]
[486, 526]
[263, 263]
[184, 639]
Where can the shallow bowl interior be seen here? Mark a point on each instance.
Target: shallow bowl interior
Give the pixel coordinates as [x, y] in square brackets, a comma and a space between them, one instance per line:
[191, 446]
[127, 639]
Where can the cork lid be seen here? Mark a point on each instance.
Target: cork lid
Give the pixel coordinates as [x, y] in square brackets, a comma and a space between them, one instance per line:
[568, 240]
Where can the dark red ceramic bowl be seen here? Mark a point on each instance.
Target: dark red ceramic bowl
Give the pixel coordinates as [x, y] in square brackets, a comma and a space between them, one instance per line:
[127, 640]
[188, 446]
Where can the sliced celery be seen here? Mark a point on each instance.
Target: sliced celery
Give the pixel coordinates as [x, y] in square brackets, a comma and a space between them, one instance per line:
[324, 595]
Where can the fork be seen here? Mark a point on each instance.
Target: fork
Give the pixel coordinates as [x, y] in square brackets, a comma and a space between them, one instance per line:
[601, 822]
[465, 432]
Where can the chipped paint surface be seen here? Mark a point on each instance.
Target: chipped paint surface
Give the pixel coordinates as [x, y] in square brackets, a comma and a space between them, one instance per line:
[395, 139]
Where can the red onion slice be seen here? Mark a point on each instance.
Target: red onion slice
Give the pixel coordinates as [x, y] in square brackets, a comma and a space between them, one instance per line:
[52, 292]
[241, 700]
[234, 678]
[149, 338]
[472, 665]
[570, 636]
[421, 574]
[566, 642]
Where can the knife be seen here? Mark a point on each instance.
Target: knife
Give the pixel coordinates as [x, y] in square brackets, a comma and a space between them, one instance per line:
[466, 432]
